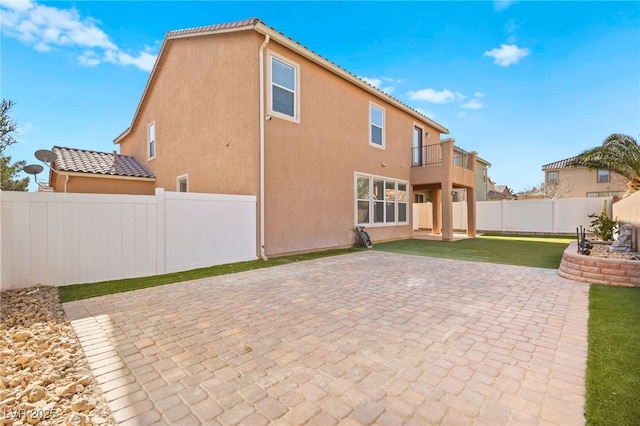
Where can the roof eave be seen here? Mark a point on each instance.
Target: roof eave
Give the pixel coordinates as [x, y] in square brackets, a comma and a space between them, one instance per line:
[105, 176]
[303, 51]
[167, 38]
[261, 28]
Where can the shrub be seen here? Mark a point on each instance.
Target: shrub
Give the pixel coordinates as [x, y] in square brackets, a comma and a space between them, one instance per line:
[602, 225]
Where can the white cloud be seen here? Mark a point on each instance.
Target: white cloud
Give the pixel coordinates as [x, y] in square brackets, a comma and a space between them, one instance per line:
[47, 27]
[442, 97]
[473, 104]
[478, 95]
[499, 5]
[507, 54]
[379, 83]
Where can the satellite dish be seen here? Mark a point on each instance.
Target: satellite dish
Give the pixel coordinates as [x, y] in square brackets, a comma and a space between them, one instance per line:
[45, 155]
[33, 169]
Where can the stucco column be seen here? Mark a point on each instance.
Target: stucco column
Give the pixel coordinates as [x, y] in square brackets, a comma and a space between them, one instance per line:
[471, 199]
[447, 187]
[435, 208]
[471, 212]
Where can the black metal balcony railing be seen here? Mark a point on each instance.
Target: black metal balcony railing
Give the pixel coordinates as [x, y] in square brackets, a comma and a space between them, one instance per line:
[427, 154]
[432, 154]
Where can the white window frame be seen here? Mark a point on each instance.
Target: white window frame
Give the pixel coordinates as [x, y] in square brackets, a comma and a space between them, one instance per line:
[154, 141]
[184, 177]
[296, 95]
[557, 180]
[383, 201]
[608, 176]
[383, 144]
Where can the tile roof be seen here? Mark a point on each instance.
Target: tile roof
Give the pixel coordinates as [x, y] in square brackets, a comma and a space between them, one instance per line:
[216, 27]
[252, 23]
[562, 164]
[95, 162]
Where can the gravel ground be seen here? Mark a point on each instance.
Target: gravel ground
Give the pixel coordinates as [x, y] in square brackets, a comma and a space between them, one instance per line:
[602, 250]
[44, 375]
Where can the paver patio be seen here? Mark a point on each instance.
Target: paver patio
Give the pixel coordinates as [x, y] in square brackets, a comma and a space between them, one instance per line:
[363, 338]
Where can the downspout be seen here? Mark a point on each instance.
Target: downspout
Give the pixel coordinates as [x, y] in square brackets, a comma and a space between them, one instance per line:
[66, 183]
[262, 118]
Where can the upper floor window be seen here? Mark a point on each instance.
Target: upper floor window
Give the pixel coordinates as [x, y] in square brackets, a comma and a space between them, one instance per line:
[603, 176]
[284, 93]
[151, 140]
[376, 119]
[552, 178]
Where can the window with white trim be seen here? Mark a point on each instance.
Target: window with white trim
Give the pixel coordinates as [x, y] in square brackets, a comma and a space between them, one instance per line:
[376, 125]
[603, 176]
[151, 140]
[283, 93]
[182, 183]
[381, 200]
[552, 178]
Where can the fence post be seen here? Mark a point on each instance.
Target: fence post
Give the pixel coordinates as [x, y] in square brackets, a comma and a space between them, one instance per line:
[504, 214]
[160, 231]
[554, 214]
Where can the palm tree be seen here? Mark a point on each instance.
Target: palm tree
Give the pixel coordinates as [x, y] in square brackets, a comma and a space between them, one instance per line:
[618, 153]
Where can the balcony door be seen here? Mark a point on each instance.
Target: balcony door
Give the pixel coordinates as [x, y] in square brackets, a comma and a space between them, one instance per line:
[417, 146]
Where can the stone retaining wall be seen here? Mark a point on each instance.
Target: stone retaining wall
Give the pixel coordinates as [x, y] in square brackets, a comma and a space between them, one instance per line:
[595, 270]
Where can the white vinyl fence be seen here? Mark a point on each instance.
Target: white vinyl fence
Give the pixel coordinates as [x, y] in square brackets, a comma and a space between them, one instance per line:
[60, 239]
[550, 216]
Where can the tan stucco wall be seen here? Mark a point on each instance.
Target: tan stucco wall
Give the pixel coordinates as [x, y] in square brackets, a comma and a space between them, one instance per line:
[101, 185]
[205, 104]
[310, 195]
[577, 182]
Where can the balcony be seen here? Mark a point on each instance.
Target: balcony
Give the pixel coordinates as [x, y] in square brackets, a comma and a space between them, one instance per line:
[432, 165]
[432, 154]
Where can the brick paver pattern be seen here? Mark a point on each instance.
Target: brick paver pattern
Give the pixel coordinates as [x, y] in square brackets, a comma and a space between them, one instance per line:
[363, 338]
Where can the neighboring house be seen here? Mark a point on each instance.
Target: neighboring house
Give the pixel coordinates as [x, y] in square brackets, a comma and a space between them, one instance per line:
[79, 170]
[239, 108]
[562, 181]
[483, 182]
[499, 192]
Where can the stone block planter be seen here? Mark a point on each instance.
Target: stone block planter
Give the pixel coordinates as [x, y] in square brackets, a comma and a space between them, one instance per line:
[597, 270]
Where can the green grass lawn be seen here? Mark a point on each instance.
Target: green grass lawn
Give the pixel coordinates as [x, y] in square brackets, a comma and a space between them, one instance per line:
[521, 250]
[613, 366]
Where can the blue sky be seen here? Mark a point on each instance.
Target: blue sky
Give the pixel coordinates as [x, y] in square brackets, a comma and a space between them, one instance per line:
[521, 83]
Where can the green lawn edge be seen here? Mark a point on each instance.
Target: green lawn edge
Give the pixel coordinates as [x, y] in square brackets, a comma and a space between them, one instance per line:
[541, 251]
[73, 292]
[613, 363]
[485, 249]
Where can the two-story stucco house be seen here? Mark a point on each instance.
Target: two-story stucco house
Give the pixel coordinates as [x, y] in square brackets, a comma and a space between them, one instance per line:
[239, 108]
[562, 181]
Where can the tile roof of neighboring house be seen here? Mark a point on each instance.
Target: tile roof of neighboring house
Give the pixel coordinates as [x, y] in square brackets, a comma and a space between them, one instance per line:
[258, 25]
[562, 164]
[496, 194]
[95, 162]
[504, 189]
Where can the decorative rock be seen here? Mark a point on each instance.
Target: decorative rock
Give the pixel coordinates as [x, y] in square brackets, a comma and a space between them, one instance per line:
[25, 359]
[624, 241]
[22, 336]
[37, 393]
[42, 365]
[82, 405]
[77, 419]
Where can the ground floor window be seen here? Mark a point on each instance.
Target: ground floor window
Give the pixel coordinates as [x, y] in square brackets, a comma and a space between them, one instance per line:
[380, 200]
[604, 194]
